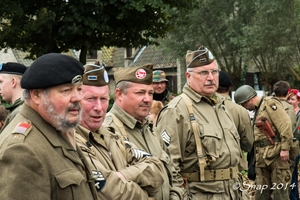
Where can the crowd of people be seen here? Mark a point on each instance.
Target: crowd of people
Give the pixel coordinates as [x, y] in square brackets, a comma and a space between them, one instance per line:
[59, 141]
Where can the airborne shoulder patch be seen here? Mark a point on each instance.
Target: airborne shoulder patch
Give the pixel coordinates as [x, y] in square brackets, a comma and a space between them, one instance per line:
[274, 107]
[23, 128]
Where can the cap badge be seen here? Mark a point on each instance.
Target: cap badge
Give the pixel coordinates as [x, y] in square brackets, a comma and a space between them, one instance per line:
[105, 76]
[76, 79]
[140, 73]
[92, 78]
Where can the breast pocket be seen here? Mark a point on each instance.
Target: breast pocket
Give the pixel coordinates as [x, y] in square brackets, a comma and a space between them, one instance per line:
[211, 139]
[69, 177]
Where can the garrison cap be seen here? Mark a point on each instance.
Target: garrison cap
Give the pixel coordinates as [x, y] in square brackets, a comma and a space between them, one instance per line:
[12, 68]
[95, 75]
[159, 76]
[50, 70]
[224, 79]
[199, 57]
[141, 74]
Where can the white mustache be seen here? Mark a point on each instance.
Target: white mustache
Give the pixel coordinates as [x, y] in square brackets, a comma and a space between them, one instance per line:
[208, 83]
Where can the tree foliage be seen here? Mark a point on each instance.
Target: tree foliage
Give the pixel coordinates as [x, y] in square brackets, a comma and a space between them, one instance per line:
[43, 26]
[252, 33]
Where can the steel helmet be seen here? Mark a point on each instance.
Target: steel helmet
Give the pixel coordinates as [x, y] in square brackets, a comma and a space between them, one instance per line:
[244, 93]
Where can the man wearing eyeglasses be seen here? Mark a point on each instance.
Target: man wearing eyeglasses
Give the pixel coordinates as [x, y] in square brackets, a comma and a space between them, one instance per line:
[201, 137]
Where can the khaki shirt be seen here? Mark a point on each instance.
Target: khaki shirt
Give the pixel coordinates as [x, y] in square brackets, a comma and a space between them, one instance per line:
[39, 163]
[143, 137]
[273, 110]
[289, 109]
[218, 134]
[243, 124]
[107, 154]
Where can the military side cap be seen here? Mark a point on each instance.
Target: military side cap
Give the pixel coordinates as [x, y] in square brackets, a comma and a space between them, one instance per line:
[12, 68]
[197, 58]
[224, 79]
[159, 76]
[50, 70]
[142, 74]
[95, 75]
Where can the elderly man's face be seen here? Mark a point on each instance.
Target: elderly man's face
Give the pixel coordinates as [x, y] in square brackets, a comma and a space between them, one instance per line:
[205, 85]
[61, 106]
[94, 106]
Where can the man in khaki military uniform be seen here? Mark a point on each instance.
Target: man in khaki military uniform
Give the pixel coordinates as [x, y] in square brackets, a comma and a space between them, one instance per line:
[124, 172]
[10, 87]
[160, 86]
[240, 117]
[201, 136]
[39, 158]
[272, 152]
[281, 90]
[130, 116]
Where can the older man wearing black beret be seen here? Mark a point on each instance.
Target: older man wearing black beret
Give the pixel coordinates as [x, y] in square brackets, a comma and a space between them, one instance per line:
[39, 157]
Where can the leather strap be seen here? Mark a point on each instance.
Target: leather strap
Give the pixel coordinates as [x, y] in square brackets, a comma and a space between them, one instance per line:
[200, 150]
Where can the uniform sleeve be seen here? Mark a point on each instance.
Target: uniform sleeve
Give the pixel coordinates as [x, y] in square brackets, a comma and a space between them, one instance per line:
[148, 172]
[23, 176]
[245, 130]
[115, 188]
[281, 121]
[173, 128]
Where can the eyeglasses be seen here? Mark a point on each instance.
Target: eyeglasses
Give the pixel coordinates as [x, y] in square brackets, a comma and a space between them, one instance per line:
[205, 73]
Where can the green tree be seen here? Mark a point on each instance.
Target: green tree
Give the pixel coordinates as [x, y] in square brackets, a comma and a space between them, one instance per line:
[43, 26]
[216, 25]
[261, 34]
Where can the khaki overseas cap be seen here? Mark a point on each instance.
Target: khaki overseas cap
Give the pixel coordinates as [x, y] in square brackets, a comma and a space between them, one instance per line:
[95, 75]
[140, 74]
[199, 57]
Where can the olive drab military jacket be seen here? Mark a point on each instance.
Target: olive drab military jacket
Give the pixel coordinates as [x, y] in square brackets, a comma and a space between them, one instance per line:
[142, 136]
[218, 134]
[108, 154]
[272, 109]
[243, 124]
[290, 111]
[13, 110]
[37, 162]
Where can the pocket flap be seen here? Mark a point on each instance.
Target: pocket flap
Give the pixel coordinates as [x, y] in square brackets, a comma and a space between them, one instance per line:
[69, 177]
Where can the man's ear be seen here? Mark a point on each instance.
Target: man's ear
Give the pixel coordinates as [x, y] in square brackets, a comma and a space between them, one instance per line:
[35, 95]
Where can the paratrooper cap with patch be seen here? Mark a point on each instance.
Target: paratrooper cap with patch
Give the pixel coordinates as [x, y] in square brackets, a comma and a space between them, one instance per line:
[199, 57]
[141, 74]
[95, 75]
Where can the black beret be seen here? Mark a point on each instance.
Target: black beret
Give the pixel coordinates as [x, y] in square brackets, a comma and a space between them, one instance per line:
[95, 75]
[224, 79]
[12, 68]
[50, 70]
[199, 57]
[141, 74]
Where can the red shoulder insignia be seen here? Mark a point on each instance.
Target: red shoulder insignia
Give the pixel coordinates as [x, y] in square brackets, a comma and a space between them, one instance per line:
[23, 128]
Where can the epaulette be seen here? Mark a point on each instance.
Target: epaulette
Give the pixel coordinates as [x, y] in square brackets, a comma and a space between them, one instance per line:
[23, 128]
[173, 103]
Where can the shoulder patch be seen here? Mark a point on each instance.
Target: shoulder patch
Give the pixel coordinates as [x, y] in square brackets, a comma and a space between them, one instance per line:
[274, 107]
[23, 128]
[166, 137]
[99, 180]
